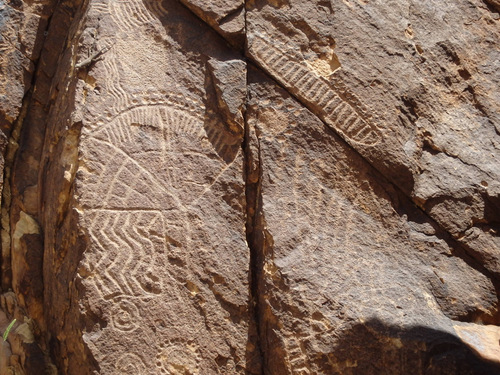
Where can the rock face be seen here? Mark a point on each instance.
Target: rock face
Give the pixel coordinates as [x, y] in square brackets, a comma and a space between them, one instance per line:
[259, 187]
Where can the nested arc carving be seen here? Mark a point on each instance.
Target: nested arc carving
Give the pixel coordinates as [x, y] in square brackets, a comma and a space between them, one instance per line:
[147, 160]
[130, 364]
[314, 89]
[119, 271]
[153, 171]
[178, 356]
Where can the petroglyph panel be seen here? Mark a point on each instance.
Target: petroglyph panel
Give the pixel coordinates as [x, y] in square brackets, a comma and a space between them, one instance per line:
[297, 357]
[148, 182]
[130, 15]
[166, 136]
[287, 67]
[178, 357]
[336, 249]
[152, 162]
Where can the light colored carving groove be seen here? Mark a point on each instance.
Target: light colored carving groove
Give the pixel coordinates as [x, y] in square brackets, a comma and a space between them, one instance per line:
[123, 178]
[125, 102]
[315, 90]
[179, 356]
[120, 97]
[297, 359]
[125, 316]
[132, 14]
[122, 272]
[130, 364]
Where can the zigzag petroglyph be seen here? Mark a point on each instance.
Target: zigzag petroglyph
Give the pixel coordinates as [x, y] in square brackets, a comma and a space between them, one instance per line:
[149, 158]
[160, 132]
[132, 14]
[124, 272]
[131, 216]
[315, 90]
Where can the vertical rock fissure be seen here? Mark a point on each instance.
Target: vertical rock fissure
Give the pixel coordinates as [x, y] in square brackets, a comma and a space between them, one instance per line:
[253, 180]
[10, 156]
[26, 295]
[253, 174]
[23, 193]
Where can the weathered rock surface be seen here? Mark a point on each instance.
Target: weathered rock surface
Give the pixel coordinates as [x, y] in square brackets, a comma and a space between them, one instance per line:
[343, 253]
[22, 26]
[250, 187]
[410, 87]
[147, 180]
[227, 17]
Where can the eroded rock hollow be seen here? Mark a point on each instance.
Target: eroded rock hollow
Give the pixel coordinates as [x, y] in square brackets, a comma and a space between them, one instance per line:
[250, 187]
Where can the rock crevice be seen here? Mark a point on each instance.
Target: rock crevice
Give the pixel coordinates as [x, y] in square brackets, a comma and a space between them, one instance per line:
[244, 187]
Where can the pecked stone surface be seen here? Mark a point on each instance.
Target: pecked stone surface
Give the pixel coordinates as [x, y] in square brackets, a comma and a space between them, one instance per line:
[315, 194]
[412, 87]
[351, 275]
[144, 179]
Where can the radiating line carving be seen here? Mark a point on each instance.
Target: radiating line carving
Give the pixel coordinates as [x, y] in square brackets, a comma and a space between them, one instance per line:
[148, 160]
[315, 90]
[132, 14]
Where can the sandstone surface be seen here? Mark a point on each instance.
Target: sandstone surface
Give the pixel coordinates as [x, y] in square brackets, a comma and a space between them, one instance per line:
[250, 187]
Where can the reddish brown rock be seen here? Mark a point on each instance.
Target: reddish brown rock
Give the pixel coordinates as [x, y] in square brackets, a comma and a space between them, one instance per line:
[260, 187]
[22, 32]
[340, 250]
[410, 88]
[149, 188]
[227, 17]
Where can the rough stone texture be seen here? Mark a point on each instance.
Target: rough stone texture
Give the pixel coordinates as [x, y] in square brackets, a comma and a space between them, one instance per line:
[412, 86]
[19, 47]
[22, 26]
[345, 257]
[482, 339]
[258, 187]
[227, 17]
[145, 177]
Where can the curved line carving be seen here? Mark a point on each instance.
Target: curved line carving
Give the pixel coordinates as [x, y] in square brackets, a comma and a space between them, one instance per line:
[130, 364]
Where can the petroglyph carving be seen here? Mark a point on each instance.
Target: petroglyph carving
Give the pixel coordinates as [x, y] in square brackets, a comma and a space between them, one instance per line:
[121, 270]
[7, 40]
[132, 14]
[152, 132]
[315, 90]
[126, 100]
[130, 364]
[10, 49]
[152, 155]
[180, 357]
[297, 359]
[147, 193]
[125, 316]
[143, 210]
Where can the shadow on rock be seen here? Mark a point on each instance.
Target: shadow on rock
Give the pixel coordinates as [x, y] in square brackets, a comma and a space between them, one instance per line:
[376, 348]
